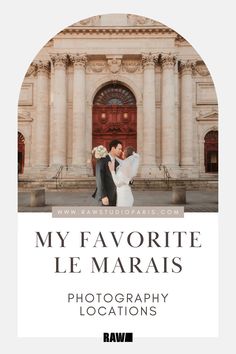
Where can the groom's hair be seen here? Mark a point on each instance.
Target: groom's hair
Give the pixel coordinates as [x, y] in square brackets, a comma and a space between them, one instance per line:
[114, 144]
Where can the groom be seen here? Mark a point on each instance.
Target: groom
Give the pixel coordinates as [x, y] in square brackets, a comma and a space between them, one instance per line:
[105, 192]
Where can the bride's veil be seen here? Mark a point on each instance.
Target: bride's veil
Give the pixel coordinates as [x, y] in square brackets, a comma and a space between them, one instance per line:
[129, 166]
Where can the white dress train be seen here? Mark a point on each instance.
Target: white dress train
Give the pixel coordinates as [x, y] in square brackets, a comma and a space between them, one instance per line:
[126, 170]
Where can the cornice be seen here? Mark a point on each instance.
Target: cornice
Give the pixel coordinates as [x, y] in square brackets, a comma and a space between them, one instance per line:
[24, 117]
[181, 41]
[117, 31]
[210, 116]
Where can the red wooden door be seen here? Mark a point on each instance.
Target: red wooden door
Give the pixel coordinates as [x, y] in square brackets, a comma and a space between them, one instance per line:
[114, 116]
[211, 151]
[114, 122]
[21, 153]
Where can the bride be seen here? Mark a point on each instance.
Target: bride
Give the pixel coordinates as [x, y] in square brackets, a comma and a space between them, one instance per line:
[124, 173]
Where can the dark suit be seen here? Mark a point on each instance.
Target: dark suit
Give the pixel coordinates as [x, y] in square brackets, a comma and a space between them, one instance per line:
[104, 181]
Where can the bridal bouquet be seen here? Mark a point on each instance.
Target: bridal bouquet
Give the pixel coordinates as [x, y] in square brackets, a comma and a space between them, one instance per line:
[99, 151]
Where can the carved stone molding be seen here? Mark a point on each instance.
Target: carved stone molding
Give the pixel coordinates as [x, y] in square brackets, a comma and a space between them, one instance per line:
[135, 20]
[186, 67]
[114, 65]
[129, 20]
[32, 69]
[49, 43]
[180, 41]
[97, 66]
[59, 60]
[24, 116]
[43, 67]
[79, 60]
[168, 61]
[131, 66]
[83, 32]
[201, 69]
[206, 117]
[91, 21]
[149, 59]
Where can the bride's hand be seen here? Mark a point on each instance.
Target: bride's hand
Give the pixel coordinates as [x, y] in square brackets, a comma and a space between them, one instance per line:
[111, 166]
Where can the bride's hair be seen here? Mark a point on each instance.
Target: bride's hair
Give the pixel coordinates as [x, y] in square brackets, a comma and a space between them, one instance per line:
[129, 151]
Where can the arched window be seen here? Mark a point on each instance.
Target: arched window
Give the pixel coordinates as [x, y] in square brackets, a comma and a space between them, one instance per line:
[114, 94]
[21, 153]
[211, 151]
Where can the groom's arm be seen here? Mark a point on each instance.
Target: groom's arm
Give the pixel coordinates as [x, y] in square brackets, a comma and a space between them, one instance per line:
[101, 174]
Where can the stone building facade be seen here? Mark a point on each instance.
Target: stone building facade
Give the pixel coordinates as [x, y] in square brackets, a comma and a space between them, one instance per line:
[118, 76]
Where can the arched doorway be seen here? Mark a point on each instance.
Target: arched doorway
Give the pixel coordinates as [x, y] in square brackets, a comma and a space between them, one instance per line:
[21, 153]
[114, 116]
[211, 151]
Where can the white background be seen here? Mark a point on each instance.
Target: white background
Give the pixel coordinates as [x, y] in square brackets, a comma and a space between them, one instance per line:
[25, 27]
[191, 309]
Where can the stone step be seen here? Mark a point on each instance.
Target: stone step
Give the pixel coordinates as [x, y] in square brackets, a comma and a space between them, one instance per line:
[139, 184]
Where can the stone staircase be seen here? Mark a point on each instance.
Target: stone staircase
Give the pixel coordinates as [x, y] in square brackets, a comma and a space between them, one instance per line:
[65, 178]
[139, 183]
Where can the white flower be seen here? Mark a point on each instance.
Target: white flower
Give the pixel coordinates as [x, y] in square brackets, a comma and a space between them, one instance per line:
[99, 151]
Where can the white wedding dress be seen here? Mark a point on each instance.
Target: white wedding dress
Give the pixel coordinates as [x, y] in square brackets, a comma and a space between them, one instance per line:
[126, 170]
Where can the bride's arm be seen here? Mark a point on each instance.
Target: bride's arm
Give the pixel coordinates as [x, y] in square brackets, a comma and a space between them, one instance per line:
[118, 177]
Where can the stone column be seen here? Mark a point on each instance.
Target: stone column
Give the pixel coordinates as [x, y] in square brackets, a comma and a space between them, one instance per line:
[186, 155]
[41, 157]
[59, 128]
[79, 118]
[149, 115]
[168, 110]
